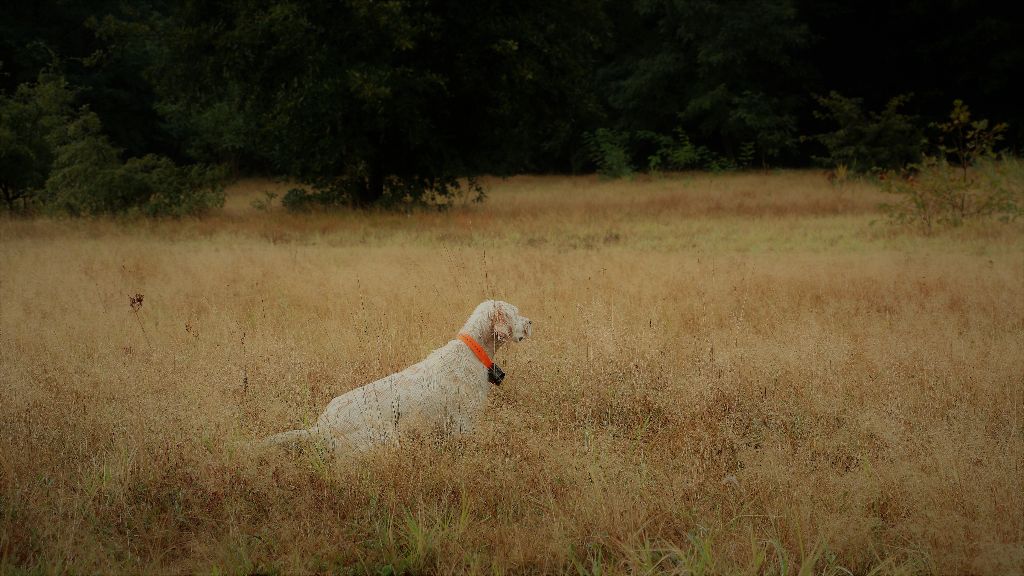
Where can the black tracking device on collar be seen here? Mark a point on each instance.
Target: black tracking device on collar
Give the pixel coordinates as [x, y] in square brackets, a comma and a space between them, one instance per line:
[495, 375]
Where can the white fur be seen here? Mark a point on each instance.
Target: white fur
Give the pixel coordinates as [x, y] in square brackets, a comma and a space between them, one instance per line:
[444, 392]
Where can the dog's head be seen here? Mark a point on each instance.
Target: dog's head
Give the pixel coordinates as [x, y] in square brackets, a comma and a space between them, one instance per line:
[506, 321]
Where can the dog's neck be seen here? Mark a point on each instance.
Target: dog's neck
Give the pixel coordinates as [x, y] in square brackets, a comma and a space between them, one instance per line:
[479, 326]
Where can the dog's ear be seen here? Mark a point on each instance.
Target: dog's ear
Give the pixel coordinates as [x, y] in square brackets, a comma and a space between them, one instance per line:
[501, 324]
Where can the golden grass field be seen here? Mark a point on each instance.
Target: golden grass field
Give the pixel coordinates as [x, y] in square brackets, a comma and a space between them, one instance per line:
[746, 373]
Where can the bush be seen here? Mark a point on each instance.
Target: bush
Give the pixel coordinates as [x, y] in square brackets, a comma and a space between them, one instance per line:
[88, 178]
[937, 193]
[869, 141]
[964, 180]
[84, 175]
[674, 153]
[678, 152]
[609, 150]
[409, 192]
[59, 158]
[964, 141]
[613, 152]
[770, 131]
[157, 187]
[298, 200]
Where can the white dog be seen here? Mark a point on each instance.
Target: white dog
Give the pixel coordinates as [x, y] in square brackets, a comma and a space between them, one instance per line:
[444, 392]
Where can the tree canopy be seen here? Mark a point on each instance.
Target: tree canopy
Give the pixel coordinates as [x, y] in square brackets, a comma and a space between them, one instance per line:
[373, 101]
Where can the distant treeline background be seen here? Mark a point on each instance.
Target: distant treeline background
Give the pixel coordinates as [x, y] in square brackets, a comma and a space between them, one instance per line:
[370, 101]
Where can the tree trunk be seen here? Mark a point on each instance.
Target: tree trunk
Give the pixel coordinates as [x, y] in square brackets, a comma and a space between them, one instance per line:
[9, 197]
[374, 187]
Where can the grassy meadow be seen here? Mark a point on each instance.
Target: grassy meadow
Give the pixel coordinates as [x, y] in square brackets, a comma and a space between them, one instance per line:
[729, 374]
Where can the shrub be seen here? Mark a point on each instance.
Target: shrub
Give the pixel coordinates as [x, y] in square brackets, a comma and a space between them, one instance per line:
[770, 131]
[613, 151]
[675, 152]
[88, 178]
[965, 141]
[965, 180]
[264, 204]
[409, 193]
[609, 150]
[936, 193]
[157, 187]
[60, 159]
[746, 154]
[84, 176]
[298, 200]
[869, 141]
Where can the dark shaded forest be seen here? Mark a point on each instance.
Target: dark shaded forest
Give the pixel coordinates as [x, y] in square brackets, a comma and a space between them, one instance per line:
[370, 101]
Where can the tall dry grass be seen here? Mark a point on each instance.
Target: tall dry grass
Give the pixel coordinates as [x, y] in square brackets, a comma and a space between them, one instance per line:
[731, 374]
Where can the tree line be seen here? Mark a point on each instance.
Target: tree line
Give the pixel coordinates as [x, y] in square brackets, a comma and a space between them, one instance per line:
[111, 106]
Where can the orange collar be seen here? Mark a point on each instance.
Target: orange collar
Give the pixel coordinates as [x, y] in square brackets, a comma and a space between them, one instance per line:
[477, 349]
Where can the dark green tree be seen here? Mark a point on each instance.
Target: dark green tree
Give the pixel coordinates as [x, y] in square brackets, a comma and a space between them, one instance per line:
[723, 72]
[27, 120]
[69, 36]
[374, 101]
[59, 158]
[377, 101]
[867, 140]
[938, 50]
[88, 177]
